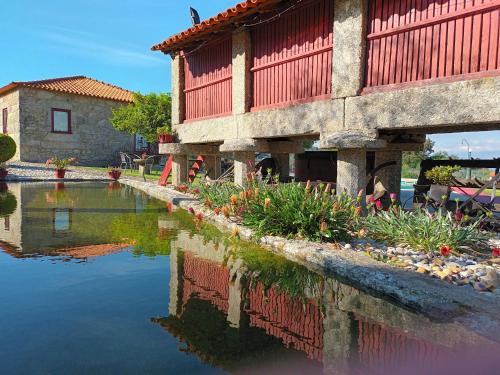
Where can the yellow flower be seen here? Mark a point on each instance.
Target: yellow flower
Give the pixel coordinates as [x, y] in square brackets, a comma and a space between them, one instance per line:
[234, 200]
[267, 203]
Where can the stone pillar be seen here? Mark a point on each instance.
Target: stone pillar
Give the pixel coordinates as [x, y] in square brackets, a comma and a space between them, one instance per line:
[213, 166]
[283, 161]
[349, 31]
[179, 169]
[390, 177]
[241, 167]
[337, 342]
[351, 171]
[178, 84]
[242, 78]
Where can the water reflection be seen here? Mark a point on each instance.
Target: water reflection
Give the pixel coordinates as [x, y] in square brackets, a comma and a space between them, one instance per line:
[231, 305]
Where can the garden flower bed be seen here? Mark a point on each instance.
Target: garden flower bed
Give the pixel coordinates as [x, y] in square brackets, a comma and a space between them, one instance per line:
[444, 246]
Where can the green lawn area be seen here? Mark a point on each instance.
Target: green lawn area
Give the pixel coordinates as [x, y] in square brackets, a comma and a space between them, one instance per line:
[154, 176]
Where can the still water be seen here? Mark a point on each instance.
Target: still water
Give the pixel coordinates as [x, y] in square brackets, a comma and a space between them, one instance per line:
[102, 279]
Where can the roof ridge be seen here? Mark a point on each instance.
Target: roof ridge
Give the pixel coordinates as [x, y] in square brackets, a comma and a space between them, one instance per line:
[49, 80]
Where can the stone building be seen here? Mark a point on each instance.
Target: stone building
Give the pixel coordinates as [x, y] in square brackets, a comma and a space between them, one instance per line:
[64, 117]
[358, 76]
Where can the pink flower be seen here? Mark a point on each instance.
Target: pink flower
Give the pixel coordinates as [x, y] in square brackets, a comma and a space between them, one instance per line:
[191, 210]
[445, 250]
[495, 252]
[393, 196]
[378, 204]
[199, 216]
[371, 199]
[196, 191]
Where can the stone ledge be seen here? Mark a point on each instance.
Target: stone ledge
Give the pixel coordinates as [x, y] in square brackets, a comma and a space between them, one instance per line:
[186, 149]
[259, 145]
[351, 139]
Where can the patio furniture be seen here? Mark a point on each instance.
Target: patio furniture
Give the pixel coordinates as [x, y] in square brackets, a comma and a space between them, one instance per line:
[126, 161]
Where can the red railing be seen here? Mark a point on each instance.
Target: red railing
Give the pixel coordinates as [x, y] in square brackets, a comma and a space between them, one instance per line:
[208, 80]
[410, 40]
[292, 55]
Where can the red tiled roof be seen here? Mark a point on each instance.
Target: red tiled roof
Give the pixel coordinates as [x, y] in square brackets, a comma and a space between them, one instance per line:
[78, 85]
[222, 19]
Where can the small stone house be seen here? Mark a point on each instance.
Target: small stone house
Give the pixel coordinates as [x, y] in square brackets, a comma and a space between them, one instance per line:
[65, 117]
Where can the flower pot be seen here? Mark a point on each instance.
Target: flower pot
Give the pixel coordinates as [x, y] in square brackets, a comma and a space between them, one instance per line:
[3, 173]
[114, 175]
[166, 138]
[60, 173]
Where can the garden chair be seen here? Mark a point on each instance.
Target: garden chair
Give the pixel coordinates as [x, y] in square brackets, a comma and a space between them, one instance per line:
[126, 161]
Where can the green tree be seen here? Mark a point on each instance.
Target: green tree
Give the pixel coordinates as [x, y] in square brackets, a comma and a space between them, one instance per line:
[147, 114]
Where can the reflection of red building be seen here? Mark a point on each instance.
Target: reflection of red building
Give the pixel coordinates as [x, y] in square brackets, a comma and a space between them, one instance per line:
[207, 279]
[299, 324]
[381, 346]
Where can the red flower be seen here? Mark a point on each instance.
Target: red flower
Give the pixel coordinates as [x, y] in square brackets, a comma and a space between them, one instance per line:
[378, 204]
[217, 211]
[495, 252]
[191, 210]
[199, 216]
[196, 191]
[445, 250]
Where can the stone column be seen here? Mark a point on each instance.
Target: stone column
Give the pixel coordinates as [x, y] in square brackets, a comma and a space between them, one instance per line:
[179, 169]
[390, 177]
[283, 161]
[241, 167]
[351, 171]
[349, 31]
[213, 166]
[178, 84]
[242, 78]
[337, 342]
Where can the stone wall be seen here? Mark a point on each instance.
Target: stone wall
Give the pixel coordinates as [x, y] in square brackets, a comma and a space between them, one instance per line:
[93, 140]
[11, 102]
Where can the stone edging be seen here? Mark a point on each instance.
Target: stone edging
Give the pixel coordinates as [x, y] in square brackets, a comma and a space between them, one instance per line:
[436, 299]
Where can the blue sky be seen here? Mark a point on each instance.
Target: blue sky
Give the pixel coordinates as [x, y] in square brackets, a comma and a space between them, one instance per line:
[110, 40]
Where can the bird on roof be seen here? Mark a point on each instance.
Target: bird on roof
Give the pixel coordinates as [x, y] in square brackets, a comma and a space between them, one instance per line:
[195, 17]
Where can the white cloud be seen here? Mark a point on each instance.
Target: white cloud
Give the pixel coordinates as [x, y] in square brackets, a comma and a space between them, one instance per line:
[91, 45]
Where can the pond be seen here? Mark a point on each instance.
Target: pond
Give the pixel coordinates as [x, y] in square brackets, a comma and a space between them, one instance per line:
[100, 278]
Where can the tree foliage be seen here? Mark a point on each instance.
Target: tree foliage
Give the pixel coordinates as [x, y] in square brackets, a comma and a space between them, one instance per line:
[147, 114]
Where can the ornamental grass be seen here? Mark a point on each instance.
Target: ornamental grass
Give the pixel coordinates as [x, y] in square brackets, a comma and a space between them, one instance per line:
[424, 231]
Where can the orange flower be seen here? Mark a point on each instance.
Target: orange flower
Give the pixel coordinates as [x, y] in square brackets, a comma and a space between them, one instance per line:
[217, 211]
[445, 250]
[242, 195]
[169, 207]
[199, 216]
[234, 200]
[357, 211]
[335, 207]
[256, 192]
[225, 211]
[267, 203]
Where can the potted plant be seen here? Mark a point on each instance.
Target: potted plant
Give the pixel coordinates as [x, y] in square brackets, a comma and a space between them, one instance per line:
[441, 178]
[60, 165]
[114, 173]
[165, 134]
[7, 152]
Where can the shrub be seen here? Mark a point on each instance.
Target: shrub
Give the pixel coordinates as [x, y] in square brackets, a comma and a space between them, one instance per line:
[218, 195]
[8, 203]
[442, 175]
[295, 211]
[423, 231]
[7, 148]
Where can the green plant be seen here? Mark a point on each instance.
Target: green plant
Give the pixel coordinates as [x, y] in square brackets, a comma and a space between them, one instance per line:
[7, 148]
[218, 195]
[147, 114]
[165, 129]
[442, 175]
[60, 163]
[423, 231]
[8, 203]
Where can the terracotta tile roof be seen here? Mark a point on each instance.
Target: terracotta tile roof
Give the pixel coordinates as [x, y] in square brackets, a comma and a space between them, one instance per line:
[220, 20]
[77, 85]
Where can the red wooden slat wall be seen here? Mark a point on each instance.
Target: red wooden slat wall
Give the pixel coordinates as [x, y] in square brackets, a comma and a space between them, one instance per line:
[208, 80]
[292, 55]
[414, 40]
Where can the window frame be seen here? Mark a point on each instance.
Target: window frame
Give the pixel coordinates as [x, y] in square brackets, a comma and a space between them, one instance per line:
[5, 121]
[68, 111]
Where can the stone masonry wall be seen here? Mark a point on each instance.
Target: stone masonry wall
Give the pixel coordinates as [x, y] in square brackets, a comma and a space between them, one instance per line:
[11, 102]
[93, 140]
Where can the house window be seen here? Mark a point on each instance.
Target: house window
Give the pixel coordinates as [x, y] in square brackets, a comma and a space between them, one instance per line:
[4, 121]
[140, 143]
[61, 120]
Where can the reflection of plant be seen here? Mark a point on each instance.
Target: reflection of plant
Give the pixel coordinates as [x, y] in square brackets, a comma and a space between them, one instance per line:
[8, 203]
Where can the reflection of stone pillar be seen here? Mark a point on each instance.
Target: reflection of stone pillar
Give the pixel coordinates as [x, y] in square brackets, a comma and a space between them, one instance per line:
[390, 177]
[338, 337]
[173, 304]
[213, 166]
[241, 167]
[283, 161]
[235, 294]
[179, 169]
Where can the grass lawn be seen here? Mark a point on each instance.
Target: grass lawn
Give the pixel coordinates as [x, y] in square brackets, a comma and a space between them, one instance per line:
[154, 176]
